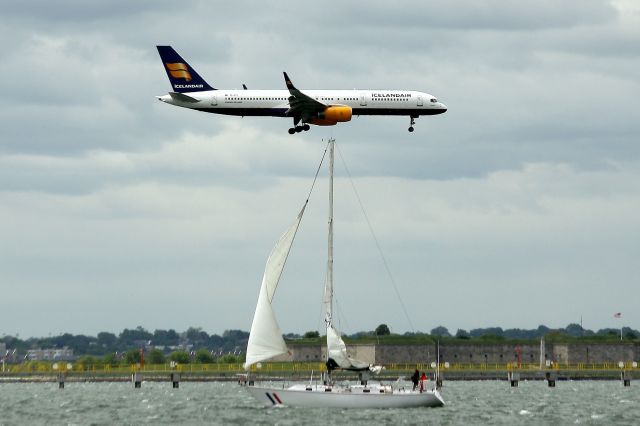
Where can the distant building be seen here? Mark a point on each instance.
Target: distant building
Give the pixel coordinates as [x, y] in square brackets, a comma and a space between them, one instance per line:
[52, 354]
[146, 344]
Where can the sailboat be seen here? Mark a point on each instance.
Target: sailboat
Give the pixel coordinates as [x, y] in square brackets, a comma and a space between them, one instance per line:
[266, 342]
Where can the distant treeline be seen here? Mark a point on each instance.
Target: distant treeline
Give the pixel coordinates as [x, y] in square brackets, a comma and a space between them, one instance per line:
[231, 341]
[235, 341]
[572, 330]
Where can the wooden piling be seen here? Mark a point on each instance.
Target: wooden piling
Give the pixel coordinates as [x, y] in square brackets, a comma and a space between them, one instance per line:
[626, 378]
[136, 378]
[513, 378]
[175, 380]
[551, 379]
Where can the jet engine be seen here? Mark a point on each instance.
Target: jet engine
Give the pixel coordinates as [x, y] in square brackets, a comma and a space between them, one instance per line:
[332, 115]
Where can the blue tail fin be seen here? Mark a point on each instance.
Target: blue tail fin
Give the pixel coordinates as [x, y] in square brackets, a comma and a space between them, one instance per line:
[182, 76]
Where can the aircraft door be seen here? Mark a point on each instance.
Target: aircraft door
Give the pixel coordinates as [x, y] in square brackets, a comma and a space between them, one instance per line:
[420, 102]
[214, 100]
[363, 99]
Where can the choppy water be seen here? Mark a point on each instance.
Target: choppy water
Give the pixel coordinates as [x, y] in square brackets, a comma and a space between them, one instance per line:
[468, 403]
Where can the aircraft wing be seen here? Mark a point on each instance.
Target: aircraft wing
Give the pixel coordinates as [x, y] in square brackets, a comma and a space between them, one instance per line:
[300, 104]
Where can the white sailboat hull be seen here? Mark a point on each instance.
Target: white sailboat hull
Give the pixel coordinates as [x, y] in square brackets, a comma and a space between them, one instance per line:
[345, 397]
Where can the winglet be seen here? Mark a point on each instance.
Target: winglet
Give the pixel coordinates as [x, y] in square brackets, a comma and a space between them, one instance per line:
[288, 82]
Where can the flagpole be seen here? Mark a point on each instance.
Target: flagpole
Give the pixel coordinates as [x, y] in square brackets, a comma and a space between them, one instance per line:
[618, 315]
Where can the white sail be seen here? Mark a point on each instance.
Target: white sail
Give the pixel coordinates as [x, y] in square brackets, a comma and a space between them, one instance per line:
[265, 338]
[337, 351]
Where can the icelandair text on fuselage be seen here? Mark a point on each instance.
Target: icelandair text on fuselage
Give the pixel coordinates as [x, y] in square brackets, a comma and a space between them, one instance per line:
[391, 95]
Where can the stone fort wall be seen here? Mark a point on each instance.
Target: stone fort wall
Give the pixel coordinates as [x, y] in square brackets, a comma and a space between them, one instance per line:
[562, 353]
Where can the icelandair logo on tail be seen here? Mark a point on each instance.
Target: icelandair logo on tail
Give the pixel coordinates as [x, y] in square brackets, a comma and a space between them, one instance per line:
[178, 70]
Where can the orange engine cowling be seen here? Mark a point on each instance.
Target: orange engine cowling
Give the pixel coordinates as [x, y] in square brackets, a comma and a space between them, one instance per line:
[332, 115]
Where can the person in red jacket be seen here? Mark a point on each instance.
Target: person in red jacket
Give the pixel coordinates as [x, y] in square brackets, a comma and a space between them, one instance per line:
[423, 379]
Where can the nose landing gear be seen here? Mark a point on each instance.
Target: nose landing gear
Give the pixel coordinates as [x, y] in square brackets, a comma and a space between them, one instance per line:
[411, 124]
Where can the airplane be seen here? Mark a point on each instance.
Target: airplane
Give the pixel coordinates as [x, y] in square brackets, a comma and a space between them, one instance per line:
[317, 107]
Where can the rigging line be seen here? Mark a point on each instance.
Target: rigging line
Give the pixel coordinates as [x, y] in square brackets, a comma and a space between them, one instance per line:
[384, 260]
[322, 324]
[324, 154]
[321, 316]
[341, 319]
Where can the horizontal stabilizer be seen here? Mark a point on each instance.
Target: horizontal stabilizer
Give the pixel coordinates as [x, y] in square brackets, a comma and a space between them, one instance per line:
[182, 97]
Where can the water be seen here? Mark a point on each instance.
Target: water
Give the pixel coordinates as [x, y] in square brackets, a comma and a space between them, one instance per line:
[468, 403]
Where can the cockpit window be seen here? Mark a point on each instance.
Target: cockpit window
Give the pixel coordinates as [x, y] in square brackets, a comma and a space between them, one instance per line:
[434, 100]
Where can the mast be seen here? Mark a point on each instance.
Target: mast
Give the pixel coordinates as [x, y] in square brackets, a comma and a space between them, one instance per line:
[337, 356]
[328, 290]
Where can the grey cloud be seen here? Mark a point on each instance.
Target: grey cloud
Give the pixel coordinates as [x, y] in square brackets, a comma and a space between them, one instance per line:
[78, 11]
[529, 178]
[467, 14]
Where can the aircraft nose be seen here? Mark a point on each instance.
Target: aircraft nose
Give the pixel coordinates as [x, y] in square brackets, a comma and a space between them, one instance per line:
[443, 107]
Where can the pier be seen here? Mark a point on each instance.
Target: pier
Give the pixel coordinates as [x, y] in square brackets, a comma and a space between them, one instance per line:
[278, 371]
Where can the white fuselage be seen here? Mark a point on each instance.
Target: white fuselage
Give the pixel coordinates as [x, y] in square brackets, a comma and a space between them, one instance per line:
[275, 103]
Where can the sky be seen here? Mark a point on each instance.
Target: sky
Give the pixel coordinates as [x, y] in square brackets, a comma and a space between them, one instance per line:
[515, 208]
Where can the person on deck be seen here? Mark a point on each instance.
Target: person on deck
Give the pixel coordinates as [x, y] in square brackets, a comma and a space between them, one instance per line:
[415, 378]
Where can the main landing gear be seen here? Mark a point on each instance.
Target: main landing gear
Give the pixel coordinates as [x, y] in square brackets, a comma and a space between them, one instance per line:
[411, 124]
[299, 129]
